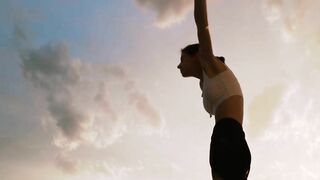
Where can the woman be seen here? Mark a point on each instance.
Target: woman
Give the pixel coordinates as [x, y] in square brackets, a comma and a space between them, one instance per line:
[230, 157]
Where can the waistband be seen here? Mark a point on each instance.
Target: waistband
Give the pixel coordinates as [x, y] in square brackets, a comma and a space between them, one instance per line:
[228, 127]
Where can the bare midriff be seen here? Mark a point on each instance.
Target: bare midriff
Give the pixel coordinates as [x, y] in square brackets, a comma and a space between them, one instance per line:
[231, 108]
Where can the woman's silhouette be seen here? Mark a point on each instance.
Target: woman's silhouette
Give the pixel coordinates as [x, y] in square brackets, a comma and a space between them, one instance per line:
[230, 157]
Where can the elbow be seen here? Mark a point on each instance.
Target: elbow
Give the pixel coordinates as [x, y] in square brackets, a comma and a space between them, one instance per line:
[202, 23]
[202, 27]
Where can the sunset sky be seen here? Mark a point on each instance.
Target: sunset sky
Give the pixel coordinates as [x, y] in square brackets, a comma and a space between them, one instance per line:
[91, 90]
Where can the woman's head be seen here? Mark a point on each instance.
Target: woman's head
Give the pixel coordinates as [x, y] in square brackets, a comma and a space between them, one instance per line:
[193, 49]
[189, 63]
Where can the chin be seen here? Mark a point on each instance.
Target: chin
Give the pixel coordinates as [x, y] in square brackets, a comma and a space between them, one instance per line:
[183, 74]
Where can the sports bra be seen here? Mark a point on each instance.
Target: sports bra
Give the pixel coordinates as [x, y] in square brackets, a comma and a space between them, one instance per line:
[218, 88]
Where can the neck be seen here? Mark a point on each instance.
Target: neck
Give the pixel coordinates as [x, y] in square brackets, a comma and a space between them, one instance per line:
[199, 75]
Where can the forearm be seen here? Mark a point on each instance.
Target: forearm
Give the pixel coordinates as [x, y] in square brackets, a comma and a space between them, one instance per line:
[200, 13]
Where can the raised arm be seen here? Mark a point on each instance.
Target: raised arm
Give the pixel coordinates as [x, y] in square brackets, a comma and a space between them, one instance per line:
[200, 16]
[208, 61]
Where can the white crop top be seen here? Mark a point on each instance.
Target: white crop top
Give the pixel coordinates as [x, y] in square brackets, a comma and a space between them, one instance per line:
[218, 88]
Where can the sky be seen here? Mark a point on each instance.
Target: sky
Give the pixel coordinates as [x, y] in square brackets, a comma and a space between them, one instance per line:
[91, 90]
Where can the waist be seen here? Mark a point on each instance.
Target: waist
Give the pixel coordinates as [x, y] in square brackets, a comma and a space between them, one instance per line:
[230, 108]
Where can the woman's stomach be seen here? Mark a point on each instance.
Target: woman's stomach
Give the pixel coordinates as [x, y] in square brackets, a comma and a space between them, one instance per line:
[231, 107]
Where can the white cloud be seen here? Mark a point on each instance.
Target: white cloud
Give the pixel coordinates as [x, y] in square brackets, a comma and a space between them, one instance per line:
[298, 21]
[262, 109]
[97, 169]
[66, 164]
[292, 137]
[143, 106]
[167, 12]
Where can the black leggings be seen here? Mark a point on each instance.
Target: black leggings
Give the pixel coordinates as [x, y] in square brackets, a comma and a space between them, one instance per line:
[230, 156]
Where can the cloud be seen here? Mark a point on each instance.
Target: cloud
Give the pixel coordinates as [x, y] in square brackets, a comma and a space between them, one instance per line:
[85, 100]
[66, 164]
[298, 20]
[97, 169]
[88, 103]
[292, 134]
[85, 105]
[167, 12]
[262, 109]
[144, 106]
[104, 169]
[50, 69]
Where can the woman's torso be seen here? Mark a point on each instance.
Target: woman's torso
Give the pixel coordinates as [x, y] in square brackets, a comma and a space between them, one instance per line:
[230, 106]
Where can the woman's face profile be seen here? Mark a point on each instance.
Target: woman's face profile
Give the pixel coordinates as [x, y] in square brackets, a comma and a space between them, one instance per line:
[187, 65]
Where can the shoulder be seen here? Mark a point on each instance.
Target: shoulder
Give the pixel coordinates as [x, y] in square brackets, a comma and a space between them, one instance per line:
[212, 66]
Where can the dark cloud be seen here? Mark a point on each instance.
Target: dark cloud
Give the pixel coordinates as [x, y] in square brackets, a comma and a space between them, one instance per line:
[69, 119]
[81, 95]
[50, 69]
[84, 100]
